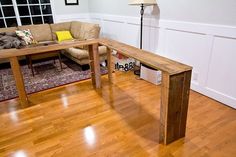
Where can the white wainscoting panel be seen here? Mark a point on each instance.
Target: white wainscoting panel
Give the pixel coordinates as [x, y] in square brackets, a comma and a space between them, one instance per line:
[132, 38]
[222, 69]
[113, 29]
[189, 48]
[210, 49]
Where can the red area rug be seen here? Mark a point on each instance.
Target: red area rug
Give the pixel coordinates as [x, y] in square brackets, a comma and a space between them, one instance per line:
[48, 75]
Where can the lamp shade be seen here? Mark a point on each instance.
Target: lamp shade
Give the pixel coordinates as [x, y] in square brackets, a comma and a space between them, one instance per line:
[144, 2]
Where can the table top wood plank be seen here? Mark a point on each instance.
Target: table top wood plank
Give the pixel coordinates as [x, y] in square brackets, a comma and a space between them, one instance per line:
[8, 53]
[153, 60]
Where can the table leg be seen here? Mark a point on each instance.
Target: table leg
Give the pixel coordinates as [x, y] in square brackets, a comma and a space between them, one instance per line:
[174, 106]
[110, 63]
[95, 65]
[19, 81]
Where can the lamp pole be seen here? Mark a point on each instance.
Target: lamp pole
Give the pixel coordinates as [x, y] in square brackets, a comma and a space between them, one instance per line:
[141, 27]
[137, 72]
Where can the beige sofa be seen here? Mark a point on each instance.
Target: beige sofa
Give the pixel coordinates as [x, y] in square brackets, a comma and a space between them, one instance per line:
[79, 30]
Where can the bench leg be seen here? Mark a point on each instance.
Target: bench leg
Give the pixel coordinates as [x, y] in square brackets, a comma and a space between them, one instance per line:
[19, 81]
[95, 65]
[59, 56]
[110, 65]
[174, 106]
[31, 65]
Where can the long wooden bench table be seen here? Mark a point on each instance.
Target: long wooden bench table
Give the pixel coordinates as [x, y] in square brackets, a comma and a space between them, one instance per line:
[175, 87]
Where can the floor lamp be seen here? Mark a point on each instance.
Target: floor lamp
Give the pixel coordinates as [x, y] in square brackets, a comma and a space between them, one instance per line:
[142, 4]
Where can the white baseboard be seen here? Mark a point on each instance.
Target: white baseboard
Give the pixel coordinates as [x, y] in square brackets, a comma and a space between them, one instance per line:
[221, 97]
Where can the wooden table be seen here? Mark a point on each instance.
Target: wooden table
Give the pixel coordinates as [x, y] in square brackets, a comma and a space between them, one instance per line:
[175, 87]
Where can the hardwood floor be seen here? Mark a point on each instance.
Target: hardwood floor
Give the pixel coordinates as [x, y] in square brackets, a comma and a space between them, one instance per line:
[120, 120]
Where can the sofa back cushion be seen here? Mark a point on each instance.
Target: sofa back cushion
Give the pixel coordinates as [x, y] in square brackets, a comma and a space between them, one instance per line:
[75, 29]
[90, 31]
[84, 31]
[40, 32]
[9, 29]
[65, 26]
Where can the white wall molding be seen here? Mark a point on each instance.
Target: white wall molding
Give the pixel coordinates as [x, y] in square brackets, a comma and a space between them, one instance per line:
[210, 29]
[208, 48]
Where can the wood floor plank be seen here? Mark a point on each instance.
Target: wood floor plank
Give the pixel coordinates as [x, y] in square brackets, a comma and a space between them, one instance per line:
[118, 120]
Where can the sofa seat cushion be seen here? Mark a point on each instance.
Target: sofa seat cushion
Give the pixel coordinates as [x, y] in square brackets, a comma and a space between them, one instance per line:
[64, 26]
[40, 32]
[82, 54]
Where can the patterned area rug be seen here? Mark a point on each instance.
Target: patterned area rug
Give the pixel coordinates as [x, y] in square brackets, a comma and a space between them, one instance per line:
[48, 75]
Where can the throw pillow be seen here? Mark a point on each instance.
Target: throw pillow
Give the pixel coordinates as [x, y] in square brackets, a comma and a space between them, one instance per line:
[26, 36]
[64, 35]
